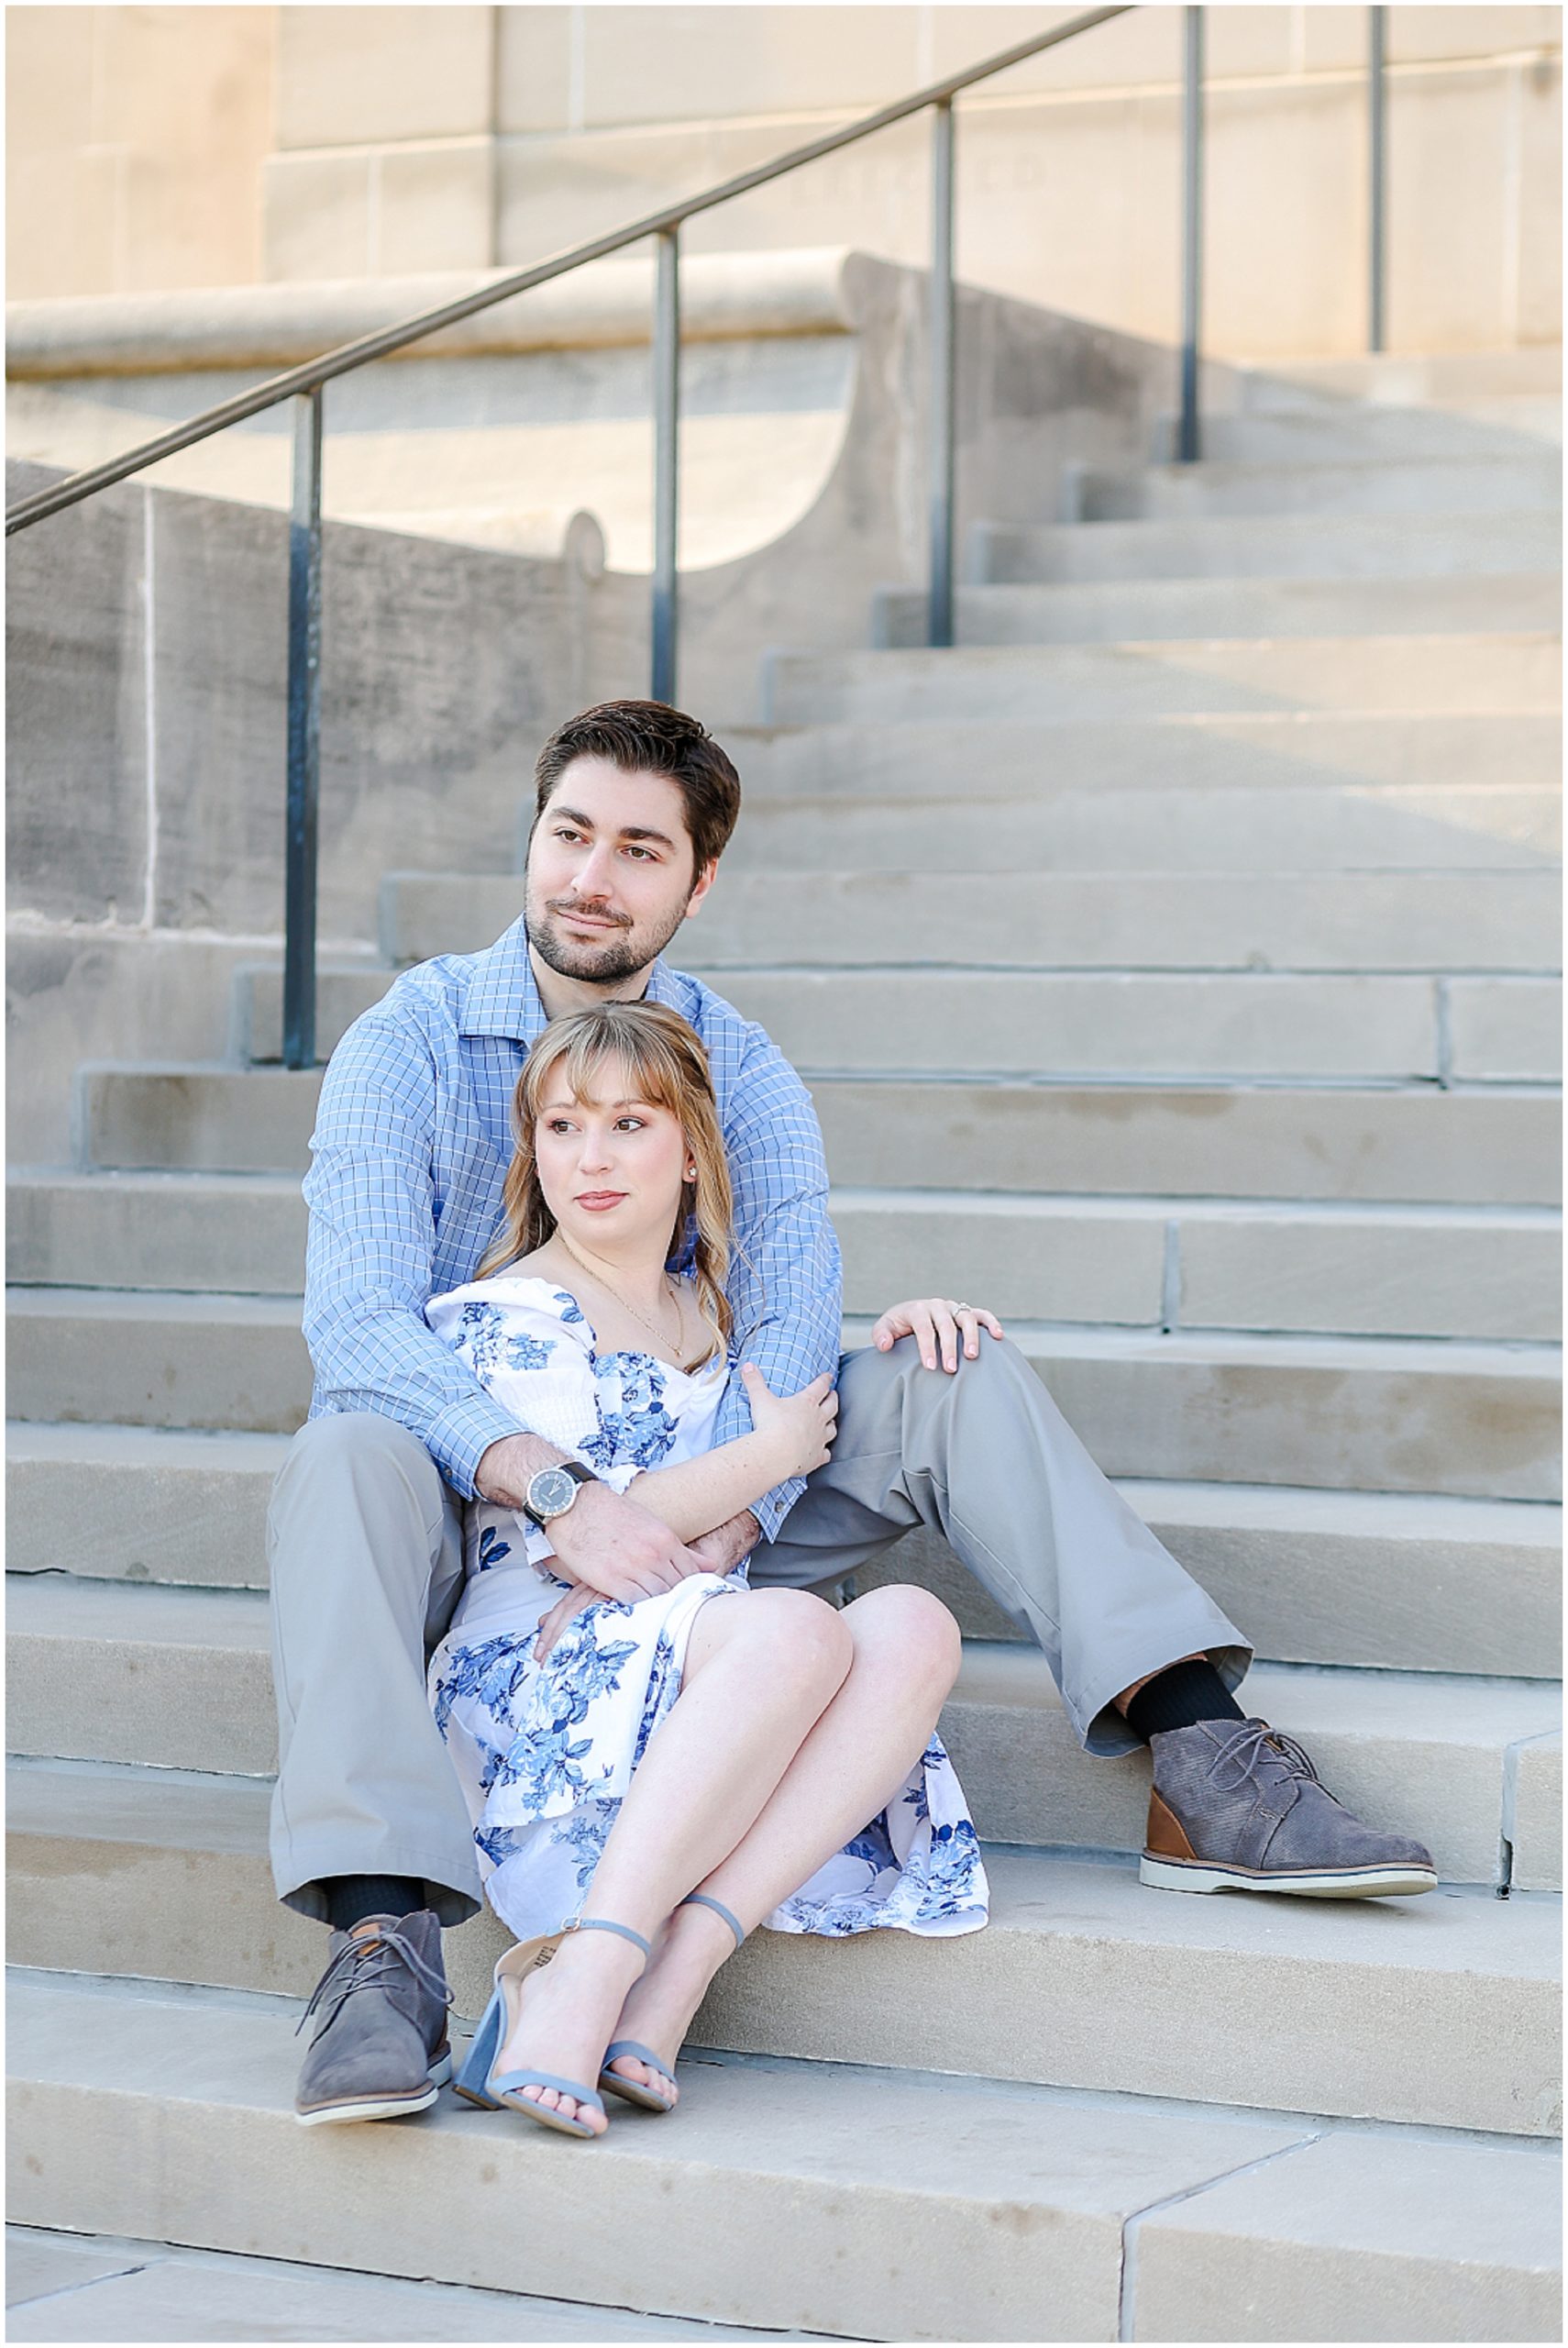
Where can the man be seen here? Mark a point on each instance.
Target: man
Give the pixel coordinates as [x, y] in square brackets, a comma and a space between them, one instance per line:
[370, 1832]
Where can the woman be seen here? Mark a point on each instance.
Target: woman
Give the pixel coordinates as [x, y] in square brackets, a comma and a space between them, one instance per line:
[763, 1735]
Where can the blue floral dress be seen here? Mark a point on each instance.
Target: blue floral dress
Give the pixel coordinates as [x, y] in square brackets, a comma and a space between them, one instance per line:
[546, 1752]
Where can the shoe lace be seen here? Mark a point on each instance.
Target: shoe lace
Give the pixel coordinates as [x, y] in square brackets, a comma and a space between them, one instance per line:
[1243, 1749]
[360, 1964]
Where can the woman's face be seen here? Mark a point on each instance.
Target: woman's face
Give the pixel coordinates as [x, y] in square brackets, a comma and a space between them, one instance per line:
[611, 1168]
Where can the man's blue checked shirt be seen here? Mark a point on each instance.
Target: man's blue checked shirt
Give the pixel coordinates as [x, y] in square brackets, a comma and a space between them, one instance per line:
[413, 1138]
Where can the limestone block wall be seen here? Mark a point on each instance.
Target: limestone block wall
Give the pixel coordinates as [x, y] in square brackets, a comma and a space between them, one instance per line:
[404, 139]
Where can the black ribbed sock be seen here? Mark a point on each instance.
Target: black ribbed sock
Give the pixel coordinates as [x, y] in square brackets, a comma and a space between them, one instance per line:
[1178, 1697]
[351, 1898]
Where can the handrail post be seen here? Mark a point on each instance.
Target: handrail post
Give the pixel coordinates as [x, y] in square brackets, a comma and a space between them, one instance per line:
[666, 462]
[1377, 174]
[1192, 233]
[303, 737]
[940, 454]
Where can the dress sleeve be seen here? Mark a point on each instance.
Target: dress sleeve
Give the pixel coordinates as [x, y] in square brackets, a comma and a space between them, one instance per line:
[528, 1358]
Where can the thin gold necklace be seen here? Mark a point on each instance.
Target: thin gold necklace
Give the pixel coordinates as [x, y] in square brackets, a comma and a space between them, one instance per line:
[626, 1306]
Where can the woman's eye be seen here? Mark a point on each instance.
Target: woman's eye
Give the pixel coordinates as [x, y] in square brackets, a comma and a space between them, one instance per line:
[629, 1125]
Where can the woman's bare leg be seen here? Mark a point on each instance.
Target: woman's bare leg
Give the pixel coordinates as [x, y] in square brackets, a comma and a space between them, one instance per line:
[760, 1670]
[906, 1657]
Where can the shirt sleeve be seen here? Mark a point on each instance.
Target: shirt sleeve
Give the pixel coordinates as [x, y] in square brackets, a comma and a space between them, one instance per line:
[370, 1252]
[786, 1282]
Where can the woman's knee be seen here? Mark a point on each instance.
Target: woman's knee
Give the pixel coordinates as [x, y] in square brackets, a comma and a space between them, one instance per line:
[803, 1634]
[904, 1628]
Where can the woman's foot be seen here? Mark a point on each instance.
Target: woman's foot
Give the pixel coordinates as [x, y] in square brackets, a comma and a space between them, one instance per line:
[661, 2006]
[567, 2018]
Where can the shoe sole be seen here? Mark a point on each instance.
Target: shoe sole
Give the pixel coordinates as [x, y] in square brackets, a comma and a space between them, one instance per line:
[1325, 1883]
[382, 2107]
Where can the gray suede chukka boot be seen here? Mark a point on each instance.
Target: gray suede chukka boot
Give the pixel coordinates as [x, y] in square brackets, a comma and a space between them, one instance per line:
[1236, 1805]
[380, 2049]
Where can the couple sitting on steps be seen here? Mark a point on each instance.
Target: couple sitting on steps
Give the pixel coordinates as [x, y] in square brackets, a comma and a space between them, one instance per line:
[573, 1301]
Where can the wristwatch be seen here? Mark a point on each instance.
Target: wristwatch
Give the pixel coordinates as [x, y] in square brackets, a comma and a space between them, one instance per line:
[552, 1492]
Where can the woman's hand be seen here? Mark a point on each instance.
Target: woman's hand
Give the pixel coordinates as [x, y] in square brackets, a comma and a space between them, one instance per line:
[939, 1324]
[797, 1428]
[552, 1624]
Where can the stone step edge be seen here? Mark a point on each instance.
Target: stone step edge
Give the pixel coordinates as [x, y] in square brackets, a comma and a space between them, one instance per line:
[1054, 1206]
[141, 1805]
[1538, 1523]
[1077, 1930]
[204, 2293]
[57, 2119]
[1008, 1674]
[1464, 1356]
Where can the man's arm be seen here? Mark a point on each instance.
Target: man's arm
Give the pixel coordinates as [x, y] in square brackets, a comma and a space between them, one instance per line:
[371, 1246]
[786, 1282]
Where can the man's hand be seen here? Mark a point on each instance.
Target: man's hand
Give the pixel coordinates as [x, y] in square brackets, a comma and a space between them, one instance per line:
[936, 1322]
[719, 1552]
[605, 1539]
[618, 1547]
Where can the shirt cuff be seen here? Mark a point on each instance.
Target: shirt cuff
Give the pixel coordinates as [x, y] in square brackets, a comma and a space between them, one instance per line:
[459, 1437]
[772, 1509]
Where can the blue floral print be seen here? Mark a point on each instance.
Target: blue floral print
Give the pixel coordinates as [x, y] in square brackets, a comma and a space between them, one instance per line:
[545, 1751]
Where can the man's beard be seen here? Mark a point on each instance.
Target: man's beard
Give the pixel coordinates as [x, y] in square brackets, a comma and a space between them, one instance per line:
[605, 963]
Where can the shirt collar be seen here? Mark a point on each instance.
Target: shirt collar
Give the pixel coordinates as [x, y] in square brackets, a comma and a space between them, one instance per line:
[502, 996]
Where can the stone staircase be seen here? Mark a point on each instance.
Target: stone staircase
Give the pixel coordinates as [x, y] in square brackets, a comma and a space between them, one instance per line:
[1173, 966]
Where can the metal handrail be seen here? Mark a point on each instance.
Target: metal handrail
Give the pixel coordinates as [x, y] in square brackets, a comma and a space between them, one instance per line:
[304, 385]
[314, 373]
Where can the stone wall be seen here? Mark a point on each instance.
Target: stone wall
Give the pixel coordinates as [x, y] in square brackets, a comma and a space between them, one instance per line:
[414, 138]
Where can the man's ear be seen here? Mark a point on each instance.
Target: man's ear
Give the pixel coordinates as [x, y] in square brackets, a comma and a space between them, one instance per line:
[701, 885]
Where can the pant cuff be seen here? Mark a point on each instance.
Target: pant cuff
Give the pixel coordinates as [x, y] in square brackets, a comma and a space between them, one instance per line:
[1098, 1725]
[300, 1878]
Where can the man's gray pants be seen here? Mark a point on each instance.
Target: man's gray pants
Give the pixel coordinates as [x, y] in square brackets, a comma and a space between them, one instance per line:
[364, 1542]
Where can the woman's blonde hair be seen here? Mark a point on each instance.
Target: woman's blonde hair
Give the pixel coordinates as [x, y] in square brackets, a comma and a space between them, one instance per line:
[664, 1058]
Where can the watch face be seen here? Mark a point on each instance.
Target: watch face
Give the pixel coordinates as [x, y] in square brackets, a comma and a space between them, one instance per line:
[552, 1492]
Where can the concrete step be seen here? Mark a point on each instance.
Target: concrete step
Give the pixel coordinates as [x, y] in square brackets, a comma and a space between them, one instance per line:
[1277, 829]
[1401, 1581]
[1048, 684]
[1152, 1262]
[1499, 425]
[1403, 378]
[1123, 611]
[219, 1361]
[1019, 919]
[181, 1678]
[1313, 545]
[920, 1018]
[1117, 1989]
[107, 2286]
[1498, 1147]
[1025, 2201]
[238, 1233]
[1263, 750]
[1523, 479]
[1372, 1414]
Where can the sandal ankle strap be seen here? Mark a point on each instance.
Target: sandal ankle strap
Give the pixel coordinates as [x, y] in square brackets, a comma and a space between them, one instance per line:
[706, 1899]
[602, 1924]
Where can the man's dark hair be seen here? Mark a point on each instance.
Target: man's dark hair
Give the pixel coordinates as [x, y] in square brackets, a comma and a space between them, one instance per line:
[649, 738]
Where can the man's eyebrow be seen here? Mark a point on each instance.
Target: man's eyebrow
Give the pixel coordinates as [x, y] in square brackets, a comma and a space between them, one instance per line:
[627, 831]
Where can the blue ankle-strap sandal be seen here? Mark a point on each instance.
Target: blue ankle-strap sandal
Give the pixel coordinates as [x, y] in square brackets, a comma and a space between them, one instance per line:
[478, 2081]
[645, 2098]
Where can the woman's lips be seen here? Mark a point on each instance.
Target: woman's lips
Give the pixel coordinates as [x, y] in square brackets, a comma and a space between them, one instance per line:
[597, 1200]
